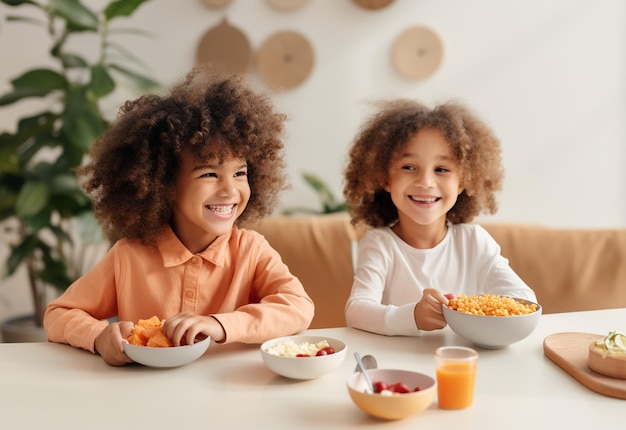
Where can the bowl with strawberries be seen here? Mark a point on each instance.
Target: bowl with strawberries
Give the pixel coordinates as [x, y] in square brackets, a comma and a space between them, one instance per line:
[397, 393]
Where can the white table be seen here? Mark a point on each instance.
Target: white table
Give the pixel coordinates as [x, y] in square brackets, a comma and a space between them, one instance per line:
[49, 386]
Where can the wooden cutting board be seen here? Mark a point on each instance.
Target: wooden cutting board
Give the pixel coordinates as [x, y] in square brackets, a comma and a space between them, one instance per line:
[571, 352]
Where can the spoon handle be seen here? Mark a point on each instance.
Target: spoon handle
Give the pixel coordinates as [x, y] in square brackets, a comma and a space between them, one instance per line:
[364, 372]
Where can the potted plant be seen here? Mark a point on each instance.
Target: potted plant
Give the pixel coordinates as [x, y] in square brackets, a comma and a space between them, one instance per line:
[330, 203]
[46, 216]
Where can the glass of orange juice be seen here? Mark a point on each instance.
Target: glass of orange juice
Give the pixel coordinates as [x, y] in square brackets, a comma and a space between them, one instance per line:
[456, 375]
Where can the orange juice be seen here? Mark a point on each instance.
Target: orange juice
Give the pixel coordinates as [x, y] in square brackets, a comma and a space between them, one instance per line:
[455, 384]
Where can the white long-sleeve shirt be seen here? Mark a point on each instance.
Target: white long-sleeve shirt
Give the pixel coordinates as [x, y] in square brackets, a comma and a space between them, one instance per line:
[391, 276]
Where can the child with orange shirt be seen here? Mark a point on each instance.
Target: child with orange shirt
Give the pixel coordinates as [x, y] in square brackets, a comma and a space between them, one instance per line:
[171, 180]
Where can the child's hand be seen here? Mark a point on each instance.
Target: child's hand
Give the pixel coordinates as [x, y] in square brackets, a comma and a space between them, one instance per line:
[110, 343]
[184, 328]
[428, 313]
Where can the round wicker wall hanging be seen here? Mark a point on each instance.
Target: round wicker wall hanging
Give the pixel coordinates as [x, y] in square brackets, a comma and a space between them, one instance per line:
[285, 60]
[226, 47]
[417, 53]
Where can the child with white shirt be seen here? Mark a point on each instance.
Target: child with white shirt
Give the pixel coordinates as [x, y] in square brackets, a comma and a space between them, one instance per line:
[418, 176]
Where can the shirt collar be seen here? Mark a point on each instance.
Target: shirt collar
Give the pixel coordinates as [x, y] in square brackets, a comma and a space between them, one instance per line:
[175, 253]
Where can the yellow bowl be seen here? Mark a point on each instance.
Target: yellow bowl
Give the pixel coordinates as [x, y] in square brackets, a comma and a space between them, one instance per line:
[394, 406]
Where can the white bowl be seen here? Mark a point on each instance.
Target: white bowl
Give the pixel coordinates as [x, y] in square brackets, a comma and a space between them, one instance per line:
[395, 406]
[492, 332]
[304, 367]
[173, 356]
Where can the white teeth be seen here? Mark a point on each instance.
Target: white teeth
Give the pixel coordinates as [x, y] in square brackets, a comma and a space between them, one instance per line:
[221, 209]
[424, 200]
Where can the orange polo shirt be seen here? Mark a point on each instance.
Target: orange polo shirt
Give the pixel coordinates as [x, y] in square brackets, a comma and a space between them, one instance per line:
[239, 279]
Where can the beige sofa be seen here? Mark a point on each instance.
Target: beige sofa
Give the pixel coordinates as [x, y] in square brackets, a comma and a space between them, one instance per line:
[569, 269]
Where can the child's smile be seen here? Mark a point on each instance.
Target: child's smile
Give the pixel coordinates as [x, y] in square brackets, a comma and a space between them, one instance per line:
[424, 201]
[222, 211]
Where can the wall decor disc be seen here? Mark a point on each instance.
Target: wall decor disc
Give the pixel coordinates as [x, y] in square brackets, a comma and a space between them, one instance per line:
[288, 5]
[373, 4]
[285, 60]
[216, 4]
[225, 47]
[417, 53]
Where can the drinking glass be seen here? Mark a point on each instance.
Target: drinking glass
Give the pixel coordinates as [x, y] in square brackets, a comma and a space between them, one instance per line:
[456, 375]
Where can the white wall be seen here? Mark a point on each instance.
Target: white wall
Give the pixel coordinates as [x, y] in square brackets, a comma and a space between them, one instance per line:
[548, 76]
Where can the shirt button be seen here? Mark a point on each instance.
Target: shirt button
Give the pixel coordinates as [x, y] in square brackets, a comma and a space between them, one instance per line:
[190, 294]
[194, 260]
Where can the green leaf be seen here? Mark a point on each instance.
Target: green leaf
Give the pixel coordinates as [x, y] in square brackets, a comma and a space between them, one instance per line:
[67, 196]
[325, 194]
[27, 19]
[19, 253]
[61, 235]
[140, 81]
[76, 14]
[14, 96]
[101, 82]
[32, 198]
[54, 271]
[82, 121]
[43, 79]
[64, 183]
[34, 83]
[8, 158]
[38, 221]
[19, 2]
[73, 61]
[41, 171]
[7, 202]
[69, 159]
[122, 8]
[33, 134]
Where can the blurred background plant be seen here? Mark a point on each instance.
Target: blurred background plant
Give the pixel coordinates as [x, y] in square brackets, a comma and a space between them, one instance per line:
[327, 199]
[45, 214]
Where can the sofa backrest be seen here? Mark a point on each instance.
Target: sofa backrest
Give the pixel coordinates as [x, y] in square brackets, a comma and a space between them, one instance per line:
[569, 270]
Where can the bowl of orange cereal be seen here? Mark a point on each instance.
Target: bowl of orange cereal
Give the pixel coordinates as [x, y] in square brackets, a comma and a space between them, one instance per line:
[491, 321]
[148, 345]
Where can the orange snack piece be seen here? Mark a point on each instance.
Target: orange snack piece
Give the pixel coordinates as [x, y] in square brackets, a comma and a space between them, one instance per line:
[149, 332]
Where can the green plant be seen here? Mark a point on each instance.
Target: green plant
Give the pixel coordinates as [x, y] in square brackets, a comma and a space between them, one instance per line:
[46, 215]
[330, 204]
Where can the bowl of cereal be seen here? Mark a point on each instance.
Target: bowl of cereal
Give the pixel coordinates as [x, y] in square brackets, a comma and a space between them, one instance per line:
[490, 321]
[303, 357]
[397, 393]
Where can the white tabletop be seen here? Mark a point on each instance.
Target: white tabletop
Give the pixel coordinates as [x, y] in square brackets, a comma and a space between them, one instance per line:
[50, 386]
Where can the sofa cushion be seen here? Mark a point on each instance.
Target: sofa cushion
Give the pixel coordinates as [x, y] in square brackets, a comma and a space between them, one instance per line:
[569, 269]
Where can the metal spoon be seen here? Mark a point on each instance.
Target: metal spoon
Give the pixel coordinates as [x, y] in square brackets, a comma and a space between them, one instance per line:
[361, 367]
[369, 362]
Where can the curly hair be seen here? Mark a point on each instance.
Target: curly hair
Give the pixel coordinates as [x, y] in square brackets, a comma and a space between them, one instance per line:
[134, 165]
[383, 136]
